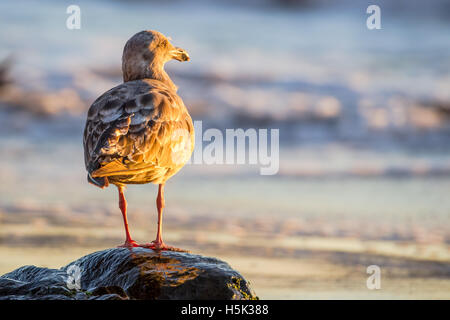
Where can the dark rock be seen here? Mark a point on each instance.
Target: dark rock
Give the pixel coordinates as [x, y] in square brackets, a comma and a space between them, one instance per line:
[121, 274]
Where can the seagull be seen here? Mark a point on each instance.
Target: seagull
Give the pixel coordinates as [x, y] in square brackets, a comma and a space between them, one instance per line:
[140, 131]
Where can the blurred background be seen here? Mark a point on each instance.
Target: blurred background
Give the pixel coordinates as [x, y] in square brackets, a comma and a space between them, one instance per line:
[364, 119]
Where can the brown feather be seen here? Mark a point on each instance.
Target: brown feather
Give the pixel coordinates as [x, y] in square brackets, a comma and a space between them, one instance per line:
[136, 142]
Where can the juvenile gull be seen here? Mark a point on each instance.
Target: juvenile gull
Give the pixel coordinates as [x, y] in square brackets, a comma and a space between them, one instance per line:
[140, 131]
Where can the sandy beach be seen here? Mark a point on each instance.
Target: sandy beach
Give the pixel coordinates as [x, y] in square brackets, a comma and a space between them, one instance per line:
[278, 267]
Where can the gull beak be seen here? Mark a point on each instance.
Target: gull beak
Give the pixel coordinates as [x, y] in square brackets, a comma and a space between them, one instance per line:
[180, 54]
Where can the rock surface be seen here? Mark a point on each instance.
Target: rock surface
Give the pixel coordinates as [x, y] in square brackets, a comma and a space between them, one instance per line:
[122, 273]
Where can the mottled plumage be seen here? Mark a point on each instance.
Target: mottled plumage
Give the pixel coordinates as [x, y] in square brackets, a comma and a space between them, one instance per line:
[137, 132]
[140, 131]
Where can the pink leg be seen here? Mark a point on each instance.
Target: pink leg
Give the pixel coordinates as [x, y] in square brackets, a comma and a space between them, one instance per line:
[123, 207]
[158, 243]
[160, 204]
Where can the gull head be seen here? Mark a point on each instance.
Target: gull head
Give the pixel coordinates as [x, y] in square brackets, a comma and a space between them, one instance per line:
[145, 54]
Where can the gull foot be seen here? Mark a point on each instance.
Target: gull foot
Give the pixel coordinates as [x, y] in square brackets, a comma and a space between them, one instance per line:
[159, 246]
[129, 244]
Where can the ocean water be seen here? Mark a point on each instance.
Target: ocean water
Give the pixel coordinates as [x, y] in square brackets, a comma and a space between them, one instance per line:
[363, 115]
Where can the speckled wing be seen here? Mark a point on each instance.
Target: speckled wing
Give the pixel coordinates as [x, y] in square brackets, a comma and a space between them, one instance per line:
[137, 132]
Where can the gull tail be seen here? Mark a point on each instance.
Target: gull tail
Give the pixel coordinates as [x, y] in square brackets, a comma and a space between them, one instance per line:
[101, 182]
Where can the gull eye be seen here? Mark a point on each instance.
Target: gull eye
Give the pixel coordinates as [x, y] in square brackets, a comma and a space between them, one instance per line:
[163, 44]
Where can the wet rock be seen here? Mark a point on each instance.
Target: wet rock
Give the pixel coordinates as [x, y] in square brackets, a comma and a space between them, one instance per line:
[138, 273]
